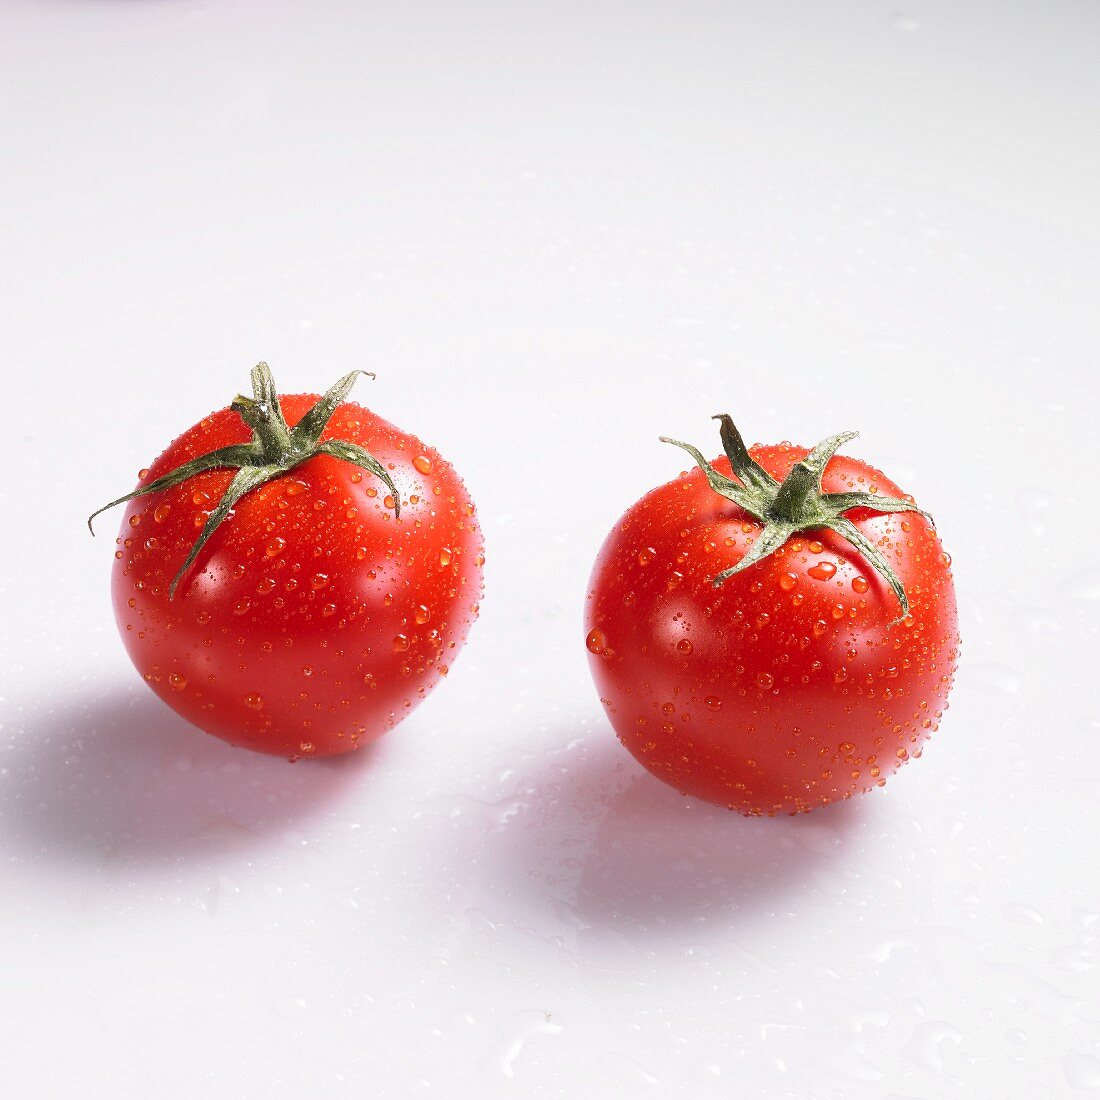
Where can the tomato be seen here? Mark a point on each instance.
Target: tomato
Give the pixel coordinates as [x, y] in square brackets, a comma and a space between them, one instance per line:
[312, 619]
[775, 630]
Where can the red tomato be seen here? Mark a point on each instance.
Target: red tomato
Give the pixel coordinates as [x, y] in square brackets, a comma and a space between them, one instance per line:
[787, 685]
[312, 620]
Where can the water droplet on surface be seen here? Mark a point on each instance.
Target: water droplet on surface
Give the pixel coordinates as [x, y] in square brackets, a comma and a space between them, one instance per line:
[646, 555]
[684, 647]
[318, 581]
[177, 681]
[446, 556]
[161, 513]
[1083, 585]
[595, 642]
[423, 464]
[712, 702]
[765, 680]
[401, 643]
[254, 700]
[788, 581]
[274, 546]
[822, 571]
[860, 584]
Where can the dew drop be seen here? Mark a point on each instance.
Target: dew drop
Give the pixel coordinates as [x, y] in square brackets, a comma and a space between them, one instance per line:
[177, 681]
[401, 643]
[254, 700]
[446, 556]
[595, 642]
[423, 463]
[423, 614]
[788, 581]
[684, 647]
[161, 513]
[646, 556]
[822, 571]
[860, 584]
[765, 680]
[712, 702]
[274, 547]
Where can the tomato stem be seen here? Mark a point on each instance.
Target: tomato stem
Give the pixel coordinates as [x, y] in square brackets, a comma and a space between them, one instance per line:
[274, 450]
[797, 504]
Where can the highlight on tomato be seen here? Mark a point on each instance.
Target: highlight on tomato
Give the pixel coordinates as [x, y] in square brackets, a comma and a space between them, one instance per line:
[774, 630]
[294, 574]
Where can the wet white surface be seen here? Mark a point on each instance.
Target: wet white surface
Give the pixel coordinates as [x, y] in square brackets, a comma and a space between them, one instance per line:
[555, 233]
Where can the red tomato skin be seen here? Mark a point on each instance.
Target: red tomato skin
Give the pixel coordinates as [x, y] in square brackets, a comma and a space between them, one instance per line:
[785, 688]
[312, 621]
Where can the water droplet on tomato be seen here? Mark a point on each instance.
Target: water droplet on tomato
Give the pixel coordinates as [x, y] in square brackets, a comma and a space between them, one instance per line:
[161, 513]
[401, 643]
[847, 747]
[765, 680]
[242, 606]
[712, 702]
[815, 547]
[446, 556]
[646, 555]
[318, 581]
[423, 614]
[135, 519]
[822, 571]
[684, 646]
[274, 546]
[254, 700]
[423, 463]
[177, 681]
[860, 584]
[595, 642]
[788, 581]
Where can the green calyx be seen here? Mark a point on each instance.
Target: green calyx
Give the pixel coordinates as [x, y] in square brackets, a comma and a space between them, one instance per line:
[797, 504]
[275, 449]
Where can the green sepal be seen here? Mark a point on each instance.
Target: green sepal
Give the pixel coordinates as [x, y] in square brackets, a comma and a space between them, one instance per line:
[797, 504]
[274, 450]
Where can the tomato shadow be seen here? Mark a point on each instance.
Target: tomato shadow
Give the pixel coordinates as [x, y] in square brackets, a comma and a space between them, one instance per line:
[619, 851]
[124, 781]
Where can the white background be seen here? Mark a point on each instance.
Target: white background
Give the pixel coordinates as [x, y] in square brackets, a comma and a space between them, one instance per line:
[555, 231]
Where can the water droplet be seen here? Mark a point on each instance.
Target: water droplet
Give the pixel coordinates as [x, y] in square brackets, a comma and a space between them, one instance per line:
[713, 702]
[765, 680]
[135, 519]
[318, 581]
[1083, 585]
[242, 606]
[595, 641]
[684, 646]
[822, 571]
[274, 547]
[177, 681]
[161, 513]
[860, 584]
[423, 463]
[788, 581]
[446, 556]
[646, 556]
[423, 614]
[401, 643]
[254, 700]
